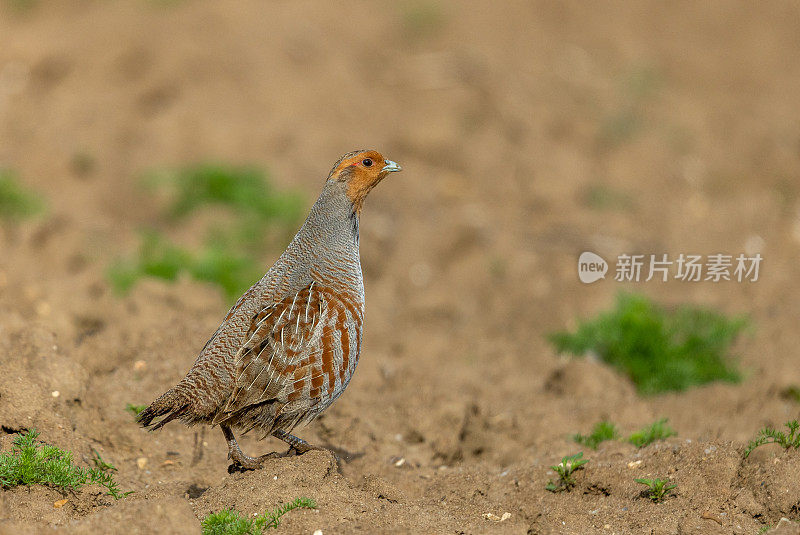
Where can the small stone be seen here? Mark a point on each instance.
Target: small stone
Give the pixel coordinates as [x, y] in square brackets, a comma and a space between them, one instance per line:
[318, 532]
[491, 516]
[707, 515]
[55, 393]
[59, 503]
[139, 365]
[400, 462]
[505, 516]
[634, 464]
[141, 462]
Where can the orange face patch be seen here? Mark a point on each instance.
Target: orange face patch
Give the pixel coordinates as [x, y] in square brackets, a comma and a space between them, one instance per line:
[361, 178]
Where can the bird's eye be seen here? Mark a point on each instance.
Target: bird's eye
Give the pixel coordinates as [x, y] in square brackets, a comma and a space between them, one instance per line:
[367, 162]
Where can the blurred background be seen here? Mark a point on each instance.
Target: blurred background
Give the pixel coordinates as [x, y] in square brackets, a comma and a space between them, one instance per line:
[160, 154]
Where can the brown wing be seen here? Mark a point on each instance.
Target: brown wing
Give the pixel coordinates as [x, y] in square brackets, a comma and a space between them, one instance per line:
[293, 351]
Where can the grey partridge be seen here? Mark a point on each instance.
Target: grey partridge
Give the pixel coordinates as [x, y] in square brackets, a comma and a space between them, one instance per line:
[289, 346]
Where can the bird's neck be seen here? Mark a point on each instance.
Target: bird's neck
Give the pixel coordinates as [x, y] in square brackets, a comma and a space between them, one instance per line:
[328, 240]
[334, 217]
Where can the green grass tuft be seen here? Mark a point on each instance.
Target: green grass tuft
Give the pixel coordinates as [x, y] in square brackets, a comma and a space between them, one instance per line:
[791, 393]
[230, 522]
[769, 435]
[601, 197]
[422, 18]
[243, 189]
[227, 522]
[22, 6]
[658, 430]
[565, 469]
[229, 255]
[601, 432]
[659, 350]
[16, 203]
[657, 489]
[32, 463]
[135, 409]
[224, 266]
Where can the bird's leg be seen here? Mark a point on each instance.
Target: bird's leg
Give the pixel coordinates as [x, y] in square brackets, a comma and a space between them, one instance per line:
[297, 444]
[236, 454]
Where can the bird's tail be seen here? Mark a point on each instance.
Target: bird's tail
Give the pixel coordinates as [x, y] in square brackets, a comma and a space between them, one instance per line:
[172, 404]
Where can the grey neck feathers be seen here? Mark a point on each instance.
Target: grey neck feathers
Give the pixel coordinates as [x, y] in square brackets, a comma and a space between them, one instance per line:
[333, 214]
[328, 240]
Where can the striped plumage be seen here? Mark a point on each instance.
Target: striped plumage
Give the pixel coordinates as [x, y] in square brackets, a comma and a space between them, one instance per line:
[289, 346]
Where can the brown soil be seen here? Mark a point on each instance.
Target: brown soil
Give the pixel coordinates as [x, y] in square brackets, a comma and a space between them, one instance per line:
[505, 116]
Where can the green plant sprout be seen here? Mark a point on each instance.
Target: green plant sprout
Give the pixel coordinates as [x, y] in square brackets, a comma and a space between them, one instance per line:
[791, 393]
[229, 254]
[601, 197]
[135, 409]
[565, 469]
[768, 435]
[601, 432]
[659, 350]
[230, 522]
[658, 430]
[16, 203]
[31, 463]
[657, 488]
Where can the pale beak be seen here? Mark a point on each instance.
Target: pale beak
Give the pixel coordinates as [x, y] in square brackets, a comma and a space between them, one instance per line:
[391, 167]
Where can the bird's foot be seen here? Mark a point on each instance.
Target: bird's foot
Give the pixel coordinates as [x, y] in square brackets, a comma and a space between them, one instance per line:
[300, 449]
[297, 446]
[242, 463]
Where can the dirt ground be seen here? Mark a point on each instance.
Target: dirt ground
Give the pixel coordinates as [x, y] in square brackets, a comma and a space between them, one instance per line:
[513, 122]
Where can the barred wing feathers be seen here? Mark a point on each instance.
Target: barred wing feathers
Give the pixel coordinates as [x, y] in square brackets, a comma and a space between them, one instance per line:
[299, 353]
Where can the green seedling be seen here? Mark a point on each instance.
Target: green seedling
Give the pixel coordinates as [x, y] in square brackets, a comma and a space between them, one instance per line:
[230, 522]
[32, 463]
[657, 489]
[422, 18]
[658, 430]
[565, 469]
[229, 257]
[246, 190]
[659, 350]
[16, 202]
[225, 266]
[602, 197]
[768, 435]
[135, 409]
[601, 432]
[791, 393]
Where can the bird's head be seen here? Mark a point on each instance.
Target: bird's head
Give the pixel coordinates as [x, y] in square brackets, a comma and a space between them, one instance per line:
[359, 171]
